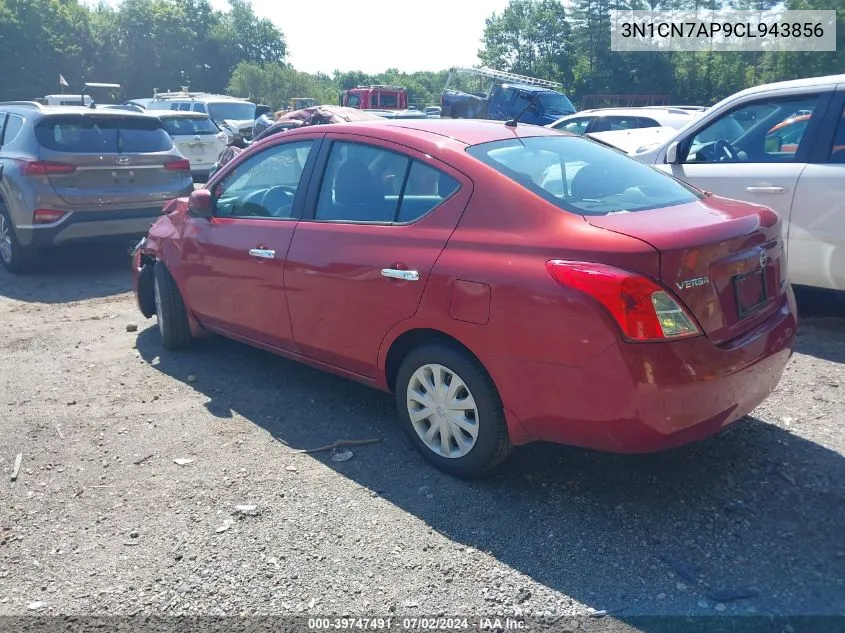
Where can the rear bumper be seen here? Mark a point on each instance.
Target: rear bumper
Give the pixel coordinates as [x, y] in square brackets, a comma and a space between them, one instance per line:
[90, 225]
[638, 398]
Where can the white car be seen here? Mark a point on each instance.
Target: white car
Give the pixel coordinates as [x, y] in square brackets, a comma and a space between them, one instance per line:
[197, 137]
[610, 119]
[630, 141]
[780, 145]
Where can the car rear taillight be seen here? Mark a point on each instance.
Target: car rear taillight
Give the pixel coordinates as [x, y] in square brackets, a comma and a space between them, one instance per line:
[46, 168]
[47, 216]
[183, 164]
[644, 310]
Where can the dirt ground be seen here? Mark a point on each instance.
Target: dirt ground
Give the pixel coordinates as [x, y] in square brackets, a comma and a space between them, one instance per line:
[102, 520]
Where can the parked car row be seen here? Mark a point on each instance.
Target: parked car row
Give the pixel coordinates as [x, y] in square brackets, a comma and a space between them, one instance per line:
[73, 173]
[499, 278]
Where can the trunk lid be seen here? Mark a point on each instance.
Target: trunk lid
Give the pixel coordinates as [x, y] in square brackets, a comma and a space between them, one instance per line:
[200, 150]
[723, 259]
[118, 159]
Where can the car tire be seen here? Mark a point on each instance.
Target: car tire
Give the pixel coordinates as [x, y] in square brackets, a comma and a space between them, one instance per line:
[466, 455]
[15, 258]
[171, 315]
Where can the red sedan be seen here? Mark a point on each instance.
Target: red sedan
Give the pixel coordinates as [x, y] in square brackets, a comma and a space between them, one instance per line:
[507, 284]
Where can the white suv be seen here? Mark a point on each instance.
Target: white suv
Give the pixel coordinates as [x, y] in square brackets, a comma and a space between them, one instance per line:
[233, 115]
[781, 145]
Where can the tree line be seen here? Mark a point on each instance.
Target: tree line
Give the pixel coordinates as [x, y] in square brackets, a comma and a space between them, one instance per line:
[148, 45]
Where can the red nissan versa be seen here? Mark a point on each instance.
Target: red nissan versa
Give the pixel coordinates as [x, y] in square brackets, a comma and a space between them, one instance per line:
[508, 284]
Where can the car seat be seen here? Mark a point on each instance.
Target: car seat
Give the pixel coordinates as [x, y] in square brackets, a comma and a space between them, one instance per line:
[359, 195]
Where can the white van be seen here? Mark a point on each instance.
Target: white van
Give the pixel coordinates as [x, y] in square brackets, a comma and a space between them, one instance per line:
[781, 145]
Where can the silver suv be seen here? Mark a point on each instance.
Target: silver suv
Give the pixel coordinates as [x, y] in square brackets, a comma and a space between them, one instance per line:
[79, 173]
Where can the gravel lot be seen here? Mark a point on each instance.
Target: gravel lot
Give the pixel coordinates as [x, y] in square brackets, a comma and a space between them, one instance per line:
[102, 520]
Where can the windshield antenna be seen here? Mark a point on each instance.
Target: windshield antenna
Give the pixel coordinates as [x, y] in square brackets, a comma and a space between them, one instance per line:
[512, 122]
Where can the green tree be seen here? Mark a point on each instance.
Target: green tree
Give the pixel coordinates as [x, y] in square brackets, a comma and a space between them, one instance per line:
[59, 30]
[531, 37]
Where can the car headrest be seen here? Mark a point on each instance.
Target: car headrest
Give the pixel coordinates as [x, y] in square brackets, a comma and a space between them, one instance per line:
[355, 184]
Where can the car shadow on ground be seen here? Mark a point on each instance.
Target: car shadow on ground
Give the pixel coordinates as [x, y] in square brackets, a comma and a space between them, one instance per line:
[73, 273]
[749, 521]
[821, 323]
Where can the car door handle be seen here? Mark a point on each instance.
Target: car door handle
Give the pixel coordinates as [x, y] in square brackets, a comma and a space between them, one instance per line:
[765, 189]
[405, 275]
[262, 253]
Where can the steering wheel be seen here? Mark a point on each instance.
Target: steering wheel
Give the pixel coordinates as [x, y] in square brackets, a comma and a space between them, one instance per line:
[724, 152]
[275, 206]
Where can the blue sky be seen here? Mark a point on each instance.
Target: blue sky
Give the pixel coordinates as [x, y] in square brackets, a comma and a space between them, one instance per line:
[373, 35]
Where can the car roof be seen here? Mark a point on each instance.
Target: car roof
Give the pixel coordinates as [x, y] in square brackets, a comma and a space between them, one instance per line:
[807, 82]
[465, 131]
[667, 111]
[527, 87]
[200, 98]
[86, 111]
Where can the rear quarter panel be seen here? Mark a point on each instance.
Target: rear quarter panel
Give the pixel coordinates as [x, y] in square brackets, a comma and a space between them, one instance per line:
[503, 245]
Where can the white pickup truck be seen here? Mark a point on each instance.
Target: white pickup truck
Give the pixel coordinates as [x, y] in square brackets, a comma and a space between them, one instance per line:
[781, 145]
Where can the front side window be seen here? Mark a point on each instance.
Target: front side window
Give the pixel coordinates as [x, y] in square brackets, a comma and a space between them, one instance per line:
[555, 104]
[354, 101]
[363, 183]
[581, 176]
[265, 185]
[523, 99]
[767, 131]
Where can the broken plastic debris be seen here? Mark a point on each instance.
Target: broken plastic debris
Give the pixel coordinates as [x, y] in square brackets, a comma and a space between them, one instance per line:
[342, 455]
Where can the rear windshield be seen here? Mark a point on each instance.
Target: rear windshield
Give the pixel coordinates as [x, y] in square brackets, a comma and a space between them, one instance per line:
[80, 134]
[178, 126]
[235, 110]
[582, 176]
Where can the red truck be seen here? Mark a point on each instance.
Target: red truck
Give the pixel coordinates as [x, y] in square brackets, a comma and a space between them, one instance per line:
[378, 97]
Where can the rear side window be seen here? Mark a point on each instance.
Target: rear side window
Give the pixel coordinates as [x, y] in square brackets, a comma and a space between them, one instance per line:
[388, 100]
[177, 126]
[14, 125]
[581, 176]
[363, 183]
[107, 135]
